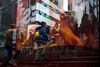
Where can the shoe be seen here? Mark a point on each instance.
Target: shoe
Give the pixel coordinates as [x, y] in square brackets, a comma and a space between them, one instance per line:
[12, 62]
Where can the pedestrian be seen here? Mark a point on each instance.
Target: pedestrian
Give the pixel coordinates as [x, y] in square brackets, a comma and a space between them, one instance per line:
[10, 43]
[87, 28]
[42, 39]
[70, 39]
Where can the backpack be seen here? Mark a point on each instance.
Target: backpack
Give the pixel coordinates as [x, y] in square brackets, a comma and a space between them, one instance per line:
[37, 34]
[41, 33]
[9, 38]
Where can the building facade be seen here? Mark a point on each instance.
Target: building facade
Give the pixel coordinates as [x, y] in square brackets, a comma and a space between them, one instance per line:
[79, 7]
[6, 16]
[46, 10]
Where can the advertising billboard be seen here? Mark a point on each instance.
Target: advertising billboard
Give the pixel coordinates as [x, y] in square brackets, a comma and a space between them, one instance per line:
[22, 21]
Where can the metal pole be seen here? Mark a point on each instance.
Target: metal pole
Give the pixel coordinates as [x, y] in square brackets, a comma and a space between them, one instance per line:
[0, 20]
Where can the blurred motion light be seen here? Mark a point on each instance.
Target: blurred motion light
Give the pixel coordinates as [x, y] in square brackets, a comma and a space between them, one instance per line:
[65, 5]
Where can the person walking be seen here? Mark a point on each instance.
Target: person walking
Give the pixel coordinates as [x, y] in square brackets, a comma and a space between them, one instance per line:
[10, 43]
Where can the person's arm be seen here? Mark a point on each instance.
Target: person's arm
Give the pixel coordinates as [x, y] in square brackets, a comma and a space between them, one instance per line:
[35, 31]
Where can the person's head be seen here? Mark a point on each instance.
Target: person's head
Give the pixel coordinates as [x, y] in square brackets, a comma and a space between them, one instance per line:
[43, 23]
[12, 26]
[85, 18]
[37, 22]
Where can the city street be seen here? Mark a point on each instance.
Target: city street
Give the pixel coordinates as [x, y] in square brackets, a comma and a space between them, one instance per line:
[49, 33]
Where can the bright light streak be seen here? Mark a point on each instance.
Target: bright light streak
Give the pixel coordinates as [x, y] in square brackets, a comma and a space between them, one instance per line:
[65, 5]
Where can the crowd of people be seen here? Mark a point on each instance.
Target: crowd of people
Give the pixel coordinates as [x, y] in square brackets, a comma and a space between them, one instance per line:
[65, 33]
